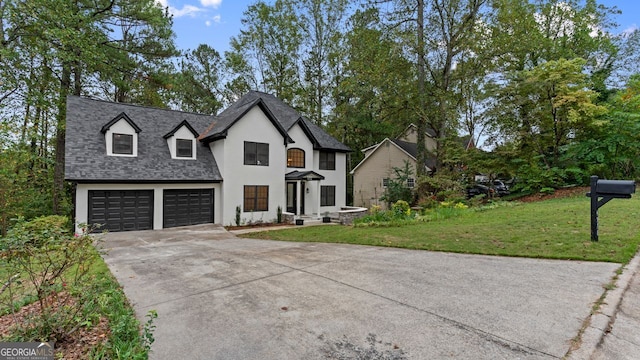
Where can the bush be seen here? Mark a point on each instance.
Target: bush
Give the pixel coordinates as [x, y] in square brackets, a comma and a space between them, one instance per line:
[401, 209]
[48, 261]
[401, 214]
[439, 188]
[397, 188]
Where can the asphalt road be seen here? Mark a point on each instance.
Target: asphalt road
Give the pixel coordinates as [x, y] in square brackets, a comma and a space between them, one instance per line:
[222, 297]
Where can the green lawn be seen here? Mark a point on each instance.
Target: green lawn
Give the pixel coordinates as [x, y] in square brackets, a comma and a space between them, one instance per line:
[555, 229]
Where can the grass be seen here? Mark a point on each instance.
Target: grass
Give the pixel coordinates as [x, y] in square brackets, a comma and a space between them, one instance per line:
[125, 340]
[553, 229]
[107, 299]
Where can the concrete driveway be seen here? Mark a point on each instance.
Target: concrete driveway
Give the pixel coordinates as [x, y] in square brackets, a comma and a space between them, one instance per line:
[222, 297]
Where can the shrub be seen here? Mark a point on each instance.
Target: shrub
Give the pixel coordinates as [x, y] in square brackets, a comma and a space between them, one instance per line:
[51, 264]
[397, 188]
[439, 187]
[238, 213]
[401, 209]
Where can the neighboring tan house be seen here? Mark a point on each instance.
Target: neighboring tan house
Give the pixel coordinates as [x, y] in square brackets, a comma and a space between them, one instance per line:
[372, 174]
[137, 168]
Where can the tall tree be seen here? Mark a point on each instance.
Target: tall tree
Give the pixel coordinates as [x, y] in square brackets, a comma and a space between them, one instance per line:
[555, 31]
[376, 85]
[323, 23]
[72, 40]
[437, 33]
[199, 87]
[266, 52]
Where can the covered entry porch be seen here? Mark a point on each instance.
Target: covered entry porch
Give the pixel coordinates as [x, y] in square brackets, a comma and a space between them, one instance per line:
[302, 188]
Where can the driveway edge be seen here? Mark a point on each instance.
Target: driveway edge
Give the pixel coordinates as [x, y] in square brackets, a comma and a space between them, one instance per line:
[601, 322]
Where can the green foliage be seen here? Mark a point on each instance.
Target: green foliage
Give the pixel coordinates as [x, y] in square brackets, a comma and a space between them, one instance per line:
[25, 185]
[534, 176]
[401, 214]
[279, 215]
[238, 219]
[554, 229]
[125, 340]
[199, 82]
[52, 264]
[611, 149]
[439, 187]
[401, 208]
[397, 188]
[265, 54]
[72, 286]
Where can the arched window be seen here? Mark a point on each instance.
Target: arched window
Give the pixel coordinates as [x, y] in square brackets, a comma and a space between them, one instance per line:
[295, 158]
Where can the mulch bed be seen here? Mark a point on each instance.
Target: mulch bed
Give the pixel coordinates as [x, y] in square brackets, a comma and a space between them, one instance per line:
[558, 194]
[75, 346]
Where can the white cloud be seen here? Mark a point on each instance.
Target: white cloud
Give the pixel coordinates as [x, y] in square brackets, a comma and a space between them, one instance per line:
[214, 20]
[211, 3]
[187, 10]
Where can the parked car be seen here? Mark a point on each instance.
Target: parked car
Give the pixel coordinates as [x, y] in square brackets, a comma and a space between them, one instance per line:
[479, 189]
[501, 189]
[497, 187]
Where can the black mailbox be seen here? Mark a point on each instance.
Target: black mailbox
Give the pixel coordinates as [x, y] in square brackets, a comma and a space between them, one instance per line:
[615, 188]
[602, 191]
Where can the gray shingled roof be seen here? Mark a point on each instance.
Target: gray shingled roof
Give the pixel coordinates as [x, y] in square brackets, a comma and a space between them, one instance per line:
[86, 157]
[412, 149]
[284, 114]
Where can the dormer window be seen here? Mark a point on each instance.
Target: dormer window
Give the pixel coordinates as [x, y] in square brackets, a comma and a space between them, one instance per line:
[121, 136]
[123, 144]
[182, 141]
[184, 148]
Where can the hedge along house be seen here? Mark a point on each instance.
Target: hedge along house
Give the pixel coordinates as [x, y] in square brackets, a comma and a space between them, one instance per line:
[138, 168]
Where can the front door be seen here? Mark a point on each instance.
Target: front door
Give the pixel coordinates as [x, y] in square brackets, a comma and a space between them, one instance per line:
[292, 199]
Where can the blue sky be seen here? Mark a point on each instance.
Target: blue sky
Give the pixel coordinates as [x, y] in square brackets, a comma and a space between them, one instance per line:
[214, 22]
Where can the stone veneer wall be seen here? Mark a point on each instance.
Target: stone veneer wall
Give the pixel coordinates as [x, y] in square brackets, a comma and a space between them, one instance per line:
[287, 218]
[347, 214]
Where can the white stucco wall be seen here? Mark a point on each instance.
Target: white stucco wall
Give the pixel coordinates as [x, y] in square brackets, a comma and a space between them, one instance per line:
[121, 127]
[82, 198]
[182, 133]
[229, 154]
[301, 141]
[335, 177]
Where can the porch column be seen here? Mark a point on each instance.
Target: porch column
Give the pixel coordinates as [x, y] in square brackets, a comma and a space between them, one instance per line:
[318, 191]
[297, 211]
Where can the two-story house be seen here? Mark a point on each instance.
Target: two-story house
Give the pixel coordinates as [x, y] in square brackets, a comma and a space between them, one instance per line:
[136, 167]
[372, 175]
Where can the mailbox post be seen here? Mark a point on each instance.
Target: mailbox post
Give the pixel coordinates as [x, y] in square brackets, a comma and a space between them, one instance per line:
[607, 190]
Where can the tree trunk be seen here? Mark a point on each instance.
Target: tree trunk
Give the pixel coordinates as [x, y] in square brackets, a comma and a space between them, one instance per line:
[422, 120]
[58, 176]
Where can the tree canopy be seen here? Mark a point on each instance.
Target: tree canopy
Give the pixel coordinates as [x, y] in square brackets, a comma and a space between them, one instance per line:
[545, 88]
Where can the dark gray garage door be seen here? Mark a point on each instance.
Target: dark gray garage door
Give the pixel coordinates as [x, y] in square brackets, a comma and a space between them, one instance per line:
[121, 210]
[187, 207]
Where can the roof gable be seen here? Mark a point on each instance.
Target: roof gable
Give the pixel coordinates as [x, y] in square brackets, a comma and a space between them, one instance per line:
[223, 122]
[410, 149]
[121, 116]
[184, 123]
[388, 141]
[321, 139]
[413, 128]
[284, 115]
